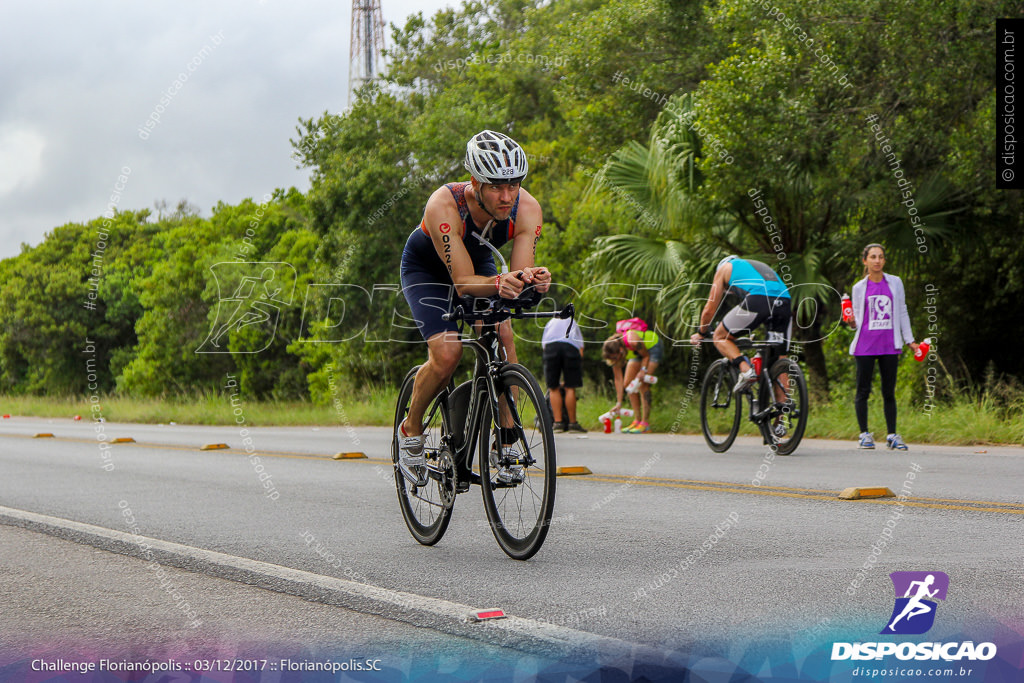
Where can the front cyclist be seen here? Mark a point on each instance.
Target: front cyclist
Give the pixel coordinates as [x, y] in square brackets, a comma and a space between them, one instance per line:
[764, 300]
[442, 254]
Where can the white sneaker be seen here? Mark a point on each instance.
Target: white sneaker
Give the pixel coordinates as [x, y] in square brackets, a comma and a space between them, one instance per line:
[411, 460]
[507, 474]
[895, 442]
[867, 441]
[745, 380]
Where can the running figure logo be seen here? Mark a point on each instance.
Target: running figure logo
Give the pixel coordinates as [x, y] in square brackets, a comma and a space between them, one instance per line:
[258, 291]
[914, 612]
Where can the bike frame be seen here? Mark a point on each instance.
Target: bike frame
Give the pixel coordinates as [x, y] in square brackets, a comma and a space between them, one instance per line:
[758, 415]
[484, 387]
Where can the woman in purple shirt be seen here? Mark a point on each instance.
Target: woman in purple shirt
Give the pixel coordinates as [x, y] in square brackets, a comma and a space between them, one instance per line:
[883, 327]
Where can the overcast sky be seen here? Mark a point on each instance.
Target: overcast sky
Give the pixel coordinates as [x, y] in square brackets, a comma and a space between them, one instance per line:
[78, 80]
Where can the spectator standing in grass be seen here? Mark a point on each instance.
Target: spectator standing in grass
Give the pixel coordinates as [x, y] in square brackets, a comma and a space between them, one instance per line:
[883, 327]
[562, 347]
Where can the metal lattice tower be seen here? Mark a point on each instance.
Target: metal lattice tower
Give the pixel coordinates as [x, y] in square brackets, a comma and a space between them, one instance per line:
[365, 57]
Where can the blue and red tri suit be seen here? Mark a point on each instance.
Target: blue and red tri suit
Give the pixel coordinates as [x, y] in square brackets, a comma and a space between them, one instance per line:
[426, 284]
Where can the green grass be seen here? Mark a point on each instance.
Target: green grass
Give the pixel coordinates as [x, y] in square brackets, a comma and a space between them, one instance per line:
[963, 422]
[375, 407]
[966, 421]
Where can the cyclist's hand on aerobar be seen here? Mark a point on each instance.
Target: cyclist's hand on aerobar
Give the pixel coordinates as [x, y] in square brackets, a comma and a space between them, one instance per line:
[538, 276]
[510, 285]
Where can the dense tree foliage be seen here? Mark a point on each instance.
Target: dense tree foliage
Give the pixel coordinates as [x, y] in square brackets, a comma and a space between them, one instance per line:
[125, 303]
[662, 135]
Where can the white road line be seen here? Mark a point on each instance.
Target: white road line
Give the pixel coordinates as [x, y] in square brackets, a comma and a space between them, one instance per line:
[419, 610]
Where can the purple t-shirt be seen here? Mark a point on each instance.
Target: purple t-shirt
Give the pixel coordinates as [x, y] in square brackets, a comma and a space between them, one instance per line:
[877, 335]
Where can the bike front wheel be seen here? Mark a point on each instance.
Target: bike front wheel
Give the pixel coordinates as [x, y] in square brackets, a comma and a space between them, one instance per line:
[427, 509]
[789, 396]
[518, 476]
[719, 407]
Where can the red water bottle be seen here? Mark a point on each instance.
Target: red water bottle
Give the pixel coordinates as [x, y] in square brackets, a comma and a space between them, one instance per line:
[922, 350]
[847, 309]
[607, 425]
[756, 360]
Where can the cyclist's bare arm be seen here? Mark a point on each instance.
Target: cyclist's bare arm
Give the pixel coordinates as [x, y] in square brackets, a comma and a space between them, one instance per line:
[719, 285]
[444, 224]
[529, 224]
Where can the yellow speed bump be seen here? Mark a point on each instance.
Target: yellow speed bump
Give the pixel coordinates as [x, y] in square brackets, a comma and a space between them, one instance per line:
[214, 447]
[43, 435]
[354, 455]
[859, 492]
[123, 439]
[572, 471]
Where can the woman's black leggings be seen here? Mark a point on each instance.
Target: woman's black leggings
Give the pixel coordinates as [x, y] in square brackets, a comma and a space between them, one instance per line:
[887, 365]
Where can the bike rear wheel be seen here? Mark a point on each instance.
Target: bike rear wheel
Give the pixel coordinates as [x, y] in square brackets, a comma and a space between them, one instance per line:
[427, 509]
[789, 398]
[519, 481]
[719, 407]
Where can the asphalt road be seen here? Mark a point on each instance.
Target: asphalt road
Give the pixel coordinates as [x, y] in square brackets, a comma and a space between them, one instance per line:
[633, 555]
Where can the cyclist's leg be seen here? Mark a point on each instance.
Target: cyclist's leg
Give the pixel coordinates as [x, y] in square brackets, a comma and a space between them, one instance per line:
[725, 342]
[508, 344]
[508, 341]
[780, 328]
[429, 300]
[782, 387]
[740, 320]
[444, 350]
[752, 312]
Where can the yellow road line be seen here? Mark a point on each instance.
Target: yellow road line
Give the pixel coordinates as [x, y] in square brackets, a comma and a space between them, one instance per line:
[828, 493]
[721, 483]
[171, 447]
[832, 496]
[692, 484]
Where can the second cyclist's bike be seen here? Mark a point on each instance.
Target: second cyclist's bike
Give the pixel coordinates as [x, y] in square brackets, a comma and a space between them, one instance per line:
[777, 400]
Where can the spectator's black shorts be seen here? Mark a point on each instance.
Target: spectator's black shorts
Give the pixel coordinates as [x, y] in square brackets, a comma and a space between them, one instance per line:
[563, 359]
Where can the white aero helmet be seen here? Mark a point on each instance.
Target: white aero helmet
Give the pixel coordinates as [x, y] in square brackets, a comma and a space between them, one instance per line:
[495, 158]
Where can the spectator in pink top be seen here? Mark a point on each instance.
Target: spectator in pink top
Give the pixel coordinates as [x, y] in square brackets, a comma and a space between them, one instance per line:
[883, 328]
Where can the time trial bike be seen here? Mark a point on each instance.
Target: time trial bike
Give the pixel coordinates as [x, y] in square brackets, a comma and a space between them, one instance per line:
[777, 400]
[493, 431]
